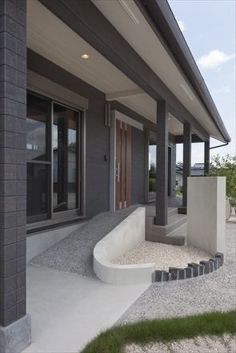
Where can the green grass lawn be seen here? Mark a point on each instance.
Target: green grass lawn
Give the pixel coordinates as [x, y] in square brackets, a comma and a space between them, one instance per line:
[114, 339]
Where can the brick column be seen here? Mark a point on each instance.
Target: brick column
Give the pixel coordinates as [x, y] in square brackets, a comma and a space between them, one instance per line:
[186, 160]
[14, 323]
[162, 165]
[206, 157]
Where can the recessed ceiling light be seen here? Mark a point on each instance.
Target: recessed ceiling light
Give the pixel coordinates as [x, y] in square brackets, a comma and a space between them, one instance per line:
[85, 56]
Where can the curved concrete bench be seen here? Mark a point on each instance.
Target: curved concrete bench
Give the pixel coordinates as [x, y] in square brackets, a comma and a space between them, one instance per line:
[129, 233]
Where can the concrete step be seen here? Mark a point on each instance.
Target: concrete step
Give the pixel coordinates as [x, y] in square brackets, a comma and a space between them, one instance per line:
[166, 234]
[151, 210]
[172, 210]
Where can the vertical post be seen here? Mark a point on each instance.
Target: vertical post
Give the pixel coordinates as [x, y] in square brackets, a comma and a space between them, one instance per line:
[206, 157]
[14, 323]
[186, 160]
[162, 165]
[146, 163]
[172, 170]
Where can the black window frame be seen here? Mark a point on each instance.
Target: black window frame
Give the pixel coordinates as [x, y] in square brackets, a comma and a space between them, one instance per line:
[63, 215]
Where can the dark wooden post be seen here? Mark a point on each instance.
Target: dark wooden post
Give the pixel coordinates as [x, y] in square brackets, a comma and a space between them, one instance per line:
[206, 157]
[162, 165]
[186, 160]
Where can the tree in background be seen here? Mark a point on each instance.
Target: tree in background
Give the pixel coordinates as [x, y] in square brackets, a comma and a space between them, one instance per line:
[226, 166]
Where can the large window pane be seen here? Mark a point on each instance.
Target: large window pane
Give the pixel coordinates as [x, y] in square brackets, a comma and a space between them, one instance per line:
[38, 156]
[65, 158]
[37, 122]
[37, 191]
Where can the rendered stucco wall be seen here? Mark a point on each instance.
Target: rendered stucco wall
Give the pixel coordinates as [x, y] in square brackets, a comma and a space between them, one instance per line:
[124, 237]
[206, 213]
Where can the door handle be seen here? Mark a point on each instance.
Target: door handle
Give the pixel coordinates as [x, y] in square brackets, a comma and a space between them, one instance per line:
[118, 172]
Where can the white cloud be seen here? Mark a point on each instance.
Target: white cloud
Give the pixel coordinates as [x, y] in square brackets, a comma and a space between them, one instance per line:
[225, 90]
[214, 59]
[181, 25]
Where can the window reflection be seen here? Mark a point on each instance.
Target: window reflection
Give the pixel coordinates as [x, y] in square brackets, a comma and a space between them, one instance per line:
[65, 158]
[51, 188]
[37, 114]
[37, 190]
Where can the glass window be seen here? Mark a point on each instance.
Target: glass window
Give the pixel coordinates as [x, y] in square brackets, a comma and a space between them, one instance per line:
[38, 166]
[65, 158]
[37, 126]
[37, 191]
[52, 158]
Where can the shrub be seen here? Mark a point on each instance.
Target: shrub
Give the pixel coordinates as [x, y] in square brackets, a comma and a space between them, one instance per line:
[226, 166]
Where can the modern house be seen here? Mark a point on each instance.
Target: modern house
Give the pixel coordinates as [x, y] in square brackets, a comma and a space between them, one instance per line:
[86, 87]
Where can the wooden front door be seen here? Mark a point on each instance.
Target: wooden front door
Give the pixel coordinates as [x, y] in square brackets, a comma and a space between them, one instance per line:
[123, 165]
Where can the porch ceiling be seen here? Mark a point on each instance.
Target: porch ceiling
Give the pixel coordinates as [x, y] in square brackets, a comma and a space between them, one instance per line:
[127, 18]
[48, 36]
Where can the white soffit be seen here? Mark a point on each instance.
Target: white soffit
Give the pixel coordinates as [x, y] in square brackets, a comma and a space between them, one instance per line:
[126, 17]
[48, 36]
[175, 127]
[142, 104]
[126, 119]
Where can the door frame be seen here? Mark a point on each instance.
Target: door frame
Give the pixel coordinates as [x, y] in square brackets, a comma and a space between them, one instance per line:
[80, 210]
[117, 115]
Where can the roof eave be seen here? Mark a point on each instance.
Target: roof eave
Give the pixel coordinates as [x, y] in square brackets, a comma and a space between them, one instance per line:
[161, 15]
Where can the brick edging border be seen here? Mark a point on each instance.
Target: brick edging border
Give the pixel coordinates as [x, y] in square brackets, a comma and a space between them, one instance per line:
[193, 270]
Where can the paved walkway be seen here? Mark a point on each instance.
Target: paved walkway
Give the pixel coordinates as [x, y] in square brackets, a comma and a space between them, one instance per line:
[212, 292]
[68, 310]
[68, 305]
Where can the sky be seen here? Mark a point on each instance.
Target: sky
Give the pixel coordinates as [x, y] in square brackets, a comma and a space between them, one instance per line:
[209, 28]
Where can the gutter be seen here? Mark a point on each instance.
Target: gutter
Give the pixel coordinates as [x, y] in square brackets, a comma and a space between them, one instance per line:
[160, 13]
[218, 146]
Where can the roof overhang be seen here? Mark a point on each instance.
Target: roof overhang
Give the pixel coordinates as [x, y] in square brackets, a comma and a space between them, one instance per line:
[121, 65]
[151, 29]
[161, 15]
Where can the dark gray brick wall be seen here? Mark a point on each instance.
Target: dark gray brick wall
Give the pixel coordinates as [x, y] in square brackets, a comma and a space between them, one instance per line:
[12, 160]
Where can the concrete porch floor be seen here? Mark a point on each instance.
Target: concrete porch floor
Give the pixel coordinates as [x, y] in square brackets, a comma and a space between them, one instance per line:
[67, 303]
[68, 310]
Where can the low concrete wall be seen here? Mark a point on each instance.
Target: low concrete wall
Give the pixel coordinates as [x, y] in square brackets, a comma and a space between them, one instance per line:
[41, 241]
[124, 237]
[206, 213]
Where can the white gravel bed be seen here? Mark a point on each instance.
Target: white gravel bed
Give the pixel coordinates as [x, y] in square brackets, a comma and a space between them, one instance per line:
[206, 344]
[212, 292]
[163, 255]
